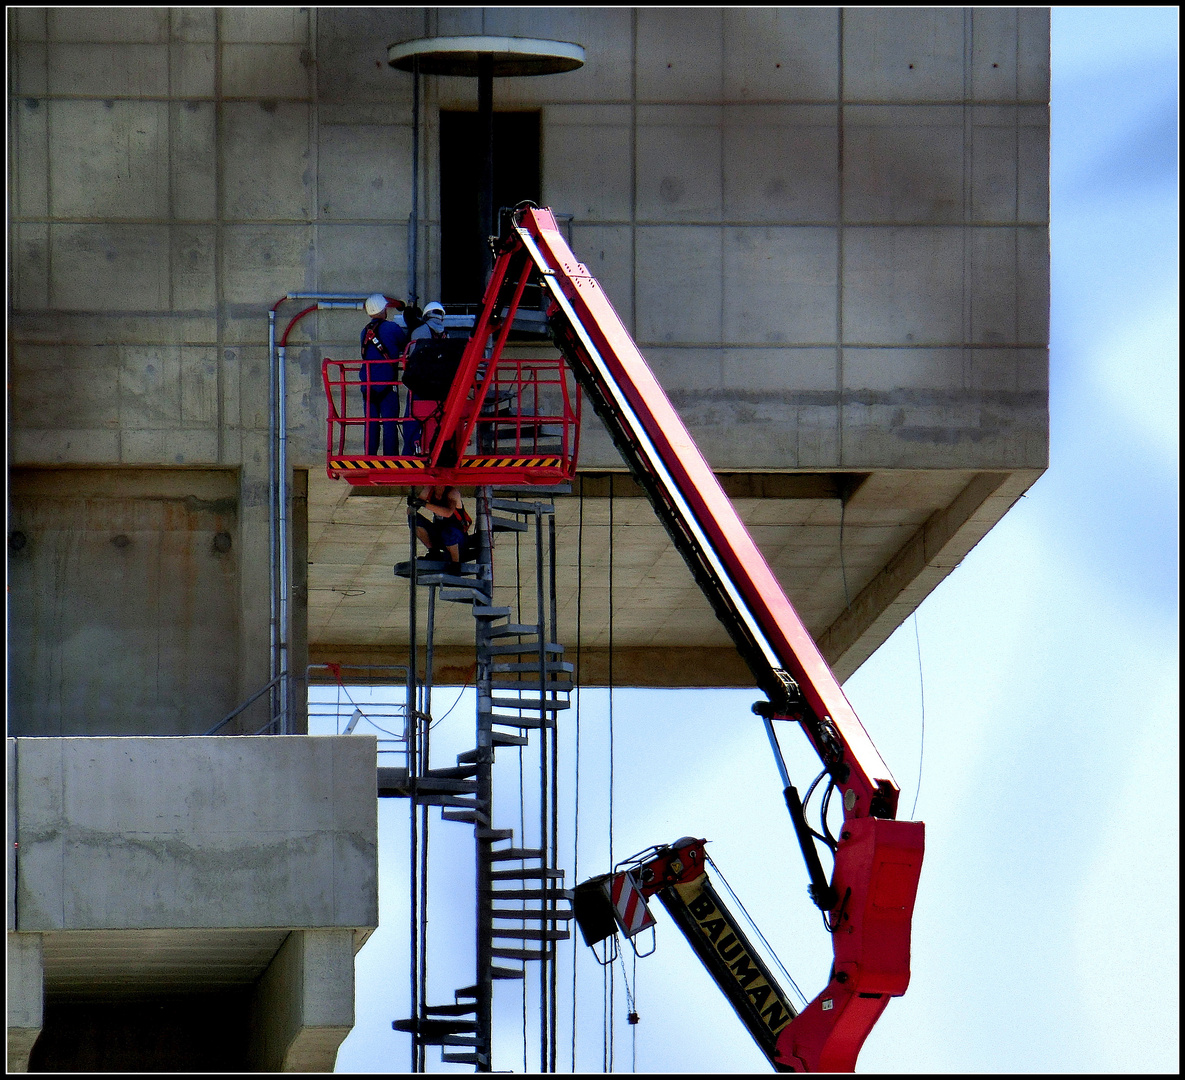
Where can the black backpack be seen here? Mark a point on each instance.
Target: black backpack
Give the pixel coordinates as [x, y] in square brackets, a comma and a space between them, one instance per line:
[432, 366]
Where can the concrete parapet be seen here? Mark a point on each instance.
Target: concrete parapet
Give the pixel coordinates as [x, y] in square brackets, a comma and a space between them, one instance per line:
[25, 998]
[303, 1005]
[197, 832]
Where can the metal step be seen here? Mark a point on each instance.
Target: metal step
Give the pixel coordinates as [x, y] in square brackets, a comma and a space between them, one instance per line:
[534, 704]
[466, 817]
[562, 488]
[507, 525]
[445, 785]
[492, 613]
[550, 666]
[534, 894]
[463, 1059]
[529, 934]
[440, 798]
[465, 596]
[458, 1040]
[525, 873]
[516, 507]
[494, 834]
[501, 738]
[435, 1031]
[434, 566]
[465, 992]
[525, 647]
[513, 628]
[558, 686]
[452, 1010]
[525, 722]
[536, 915]
[460, 772]
[506, 973]
[515, 853]
[520, 954]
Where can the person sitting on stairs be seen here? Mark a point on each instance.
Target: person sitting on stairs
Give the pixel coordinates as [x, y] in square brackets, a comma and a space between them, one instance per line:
[445, 531]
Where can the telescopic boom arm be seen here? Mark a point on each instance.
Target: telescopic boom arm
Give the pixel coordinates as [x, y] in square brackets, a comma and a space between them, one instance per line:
[868, 903]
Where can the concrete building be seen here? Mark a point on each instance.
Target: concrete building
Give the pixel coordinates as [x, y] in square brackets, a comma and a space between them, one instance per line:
[828, 231]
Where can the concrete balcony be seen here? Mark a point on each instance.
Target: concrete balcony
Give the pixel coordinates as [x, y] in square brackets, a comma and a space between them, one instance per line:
[164, 884]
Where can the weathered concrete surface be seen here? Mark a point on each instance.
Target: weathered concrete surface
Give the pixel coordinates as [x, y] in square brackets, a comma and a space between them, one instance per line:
[25, 998]
[303, 1005]
[184, 833]
[124, 594]
[827, 228]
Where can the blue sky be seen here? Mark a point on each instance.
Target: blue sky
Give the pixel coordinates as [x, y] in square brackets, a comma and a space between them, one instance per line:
[1046, 933]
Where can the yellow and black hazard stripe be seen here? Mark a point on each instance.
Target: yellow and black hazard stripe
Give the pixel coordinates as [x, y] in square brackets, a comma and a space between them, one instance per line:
[383, 463]
[512, 462]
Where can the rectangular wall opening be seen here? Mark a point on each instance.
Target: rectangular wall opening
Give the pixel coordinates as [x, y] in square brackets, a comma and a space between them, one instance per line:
[516, 177]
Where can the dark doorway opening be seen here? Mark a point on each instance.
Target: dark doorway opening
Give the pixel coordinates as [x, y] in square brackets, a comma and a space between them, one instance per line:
[516, 177]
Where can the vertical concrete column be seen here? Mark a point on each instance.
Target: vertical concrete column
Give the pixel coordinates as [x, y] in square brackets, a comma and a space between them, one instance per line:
[303, 1005]
[298, 606]
[254, 585]
[25, 997]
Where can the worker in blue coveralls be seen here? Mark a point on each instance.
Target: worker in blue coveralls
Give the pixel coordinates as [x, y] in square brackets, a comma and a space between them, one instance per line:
[383, 341]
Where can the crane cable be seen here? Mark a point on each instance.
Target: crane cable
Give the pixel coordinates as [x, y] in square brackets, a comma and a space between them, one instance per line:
[922, 695]
[756, 929]
[576, 811]
[610, 1004]
[522, 814]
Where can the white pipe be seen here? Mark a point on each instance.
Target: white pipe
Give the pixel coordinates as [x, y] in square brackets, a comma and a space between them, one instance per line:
[282, 498]
[272, 527]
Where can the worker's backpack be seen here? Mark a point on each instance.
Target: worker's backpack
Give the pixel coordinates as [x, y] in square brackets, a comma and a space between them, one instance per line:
[431, 367]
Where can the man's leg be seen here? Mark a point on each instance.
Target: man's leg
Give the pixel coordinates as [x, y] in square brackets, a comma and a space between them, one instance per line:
[389, 410]
[374, 402]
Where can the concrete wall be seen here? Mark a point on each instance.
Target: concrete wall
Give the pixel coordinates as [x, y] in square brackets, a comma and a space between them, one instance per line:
[124, 602]
[828, 230]
[176, 833]
[225, 881]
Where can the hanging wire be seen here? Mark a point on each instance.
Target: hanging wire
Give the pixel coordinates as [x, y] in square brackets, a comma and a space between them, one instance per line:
[843, 506]
[922, 694]
[757, 930]
[611, 980]
[522, 813]
[468, 678]
[633, 1019]
[633, 1012]
[576, 812]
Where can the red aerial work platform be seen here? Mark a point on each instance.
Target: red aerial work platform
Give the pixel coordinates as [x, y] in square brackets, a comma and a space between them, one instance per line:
[868, 901]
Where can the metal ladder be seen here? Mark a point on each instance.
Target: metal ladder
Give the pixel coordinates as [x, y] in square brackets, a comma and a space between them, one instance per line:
[522, 683]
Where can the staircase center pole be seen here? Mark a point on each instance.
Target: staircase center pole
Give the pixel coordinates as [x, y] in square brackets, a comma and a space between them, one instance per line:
[484, 921]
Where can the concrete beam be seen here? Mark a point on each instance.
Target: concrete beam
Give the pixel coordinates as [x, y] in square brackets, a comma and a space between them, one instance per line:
[664, 665]
[303, 1005]
[25, 998]
[915, 571]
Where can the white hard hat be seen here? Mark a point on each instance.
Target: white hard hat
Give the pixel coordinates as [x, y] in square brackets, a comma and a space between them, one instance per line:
[435, 307]
[376, 305]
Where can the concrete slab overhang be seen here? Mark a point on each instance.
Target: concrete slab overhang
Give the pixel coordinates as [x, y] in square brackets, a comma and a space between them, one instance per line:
[855, 551]
[149, 864]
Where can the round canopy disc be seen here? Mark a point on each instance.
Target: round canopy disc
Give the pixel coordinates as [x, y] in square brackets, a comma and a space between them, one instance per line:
[510, 55]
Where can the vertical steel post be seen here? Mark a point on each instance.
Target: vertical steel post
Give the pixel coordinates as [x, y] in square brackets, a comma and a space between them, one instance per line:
[283, 554]
[484, 922]
[413, 727]
[413, 236]
[485, 145]
[545, 882]
[553, 859]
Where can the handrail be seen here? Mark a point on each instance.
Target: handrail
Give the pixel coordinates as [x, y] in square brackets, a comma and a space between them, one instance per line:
[250, 701]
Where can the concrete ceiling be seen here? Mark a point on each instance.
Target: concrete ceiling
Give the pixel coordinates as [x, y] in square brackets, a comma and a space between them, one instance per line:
[664, 633]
